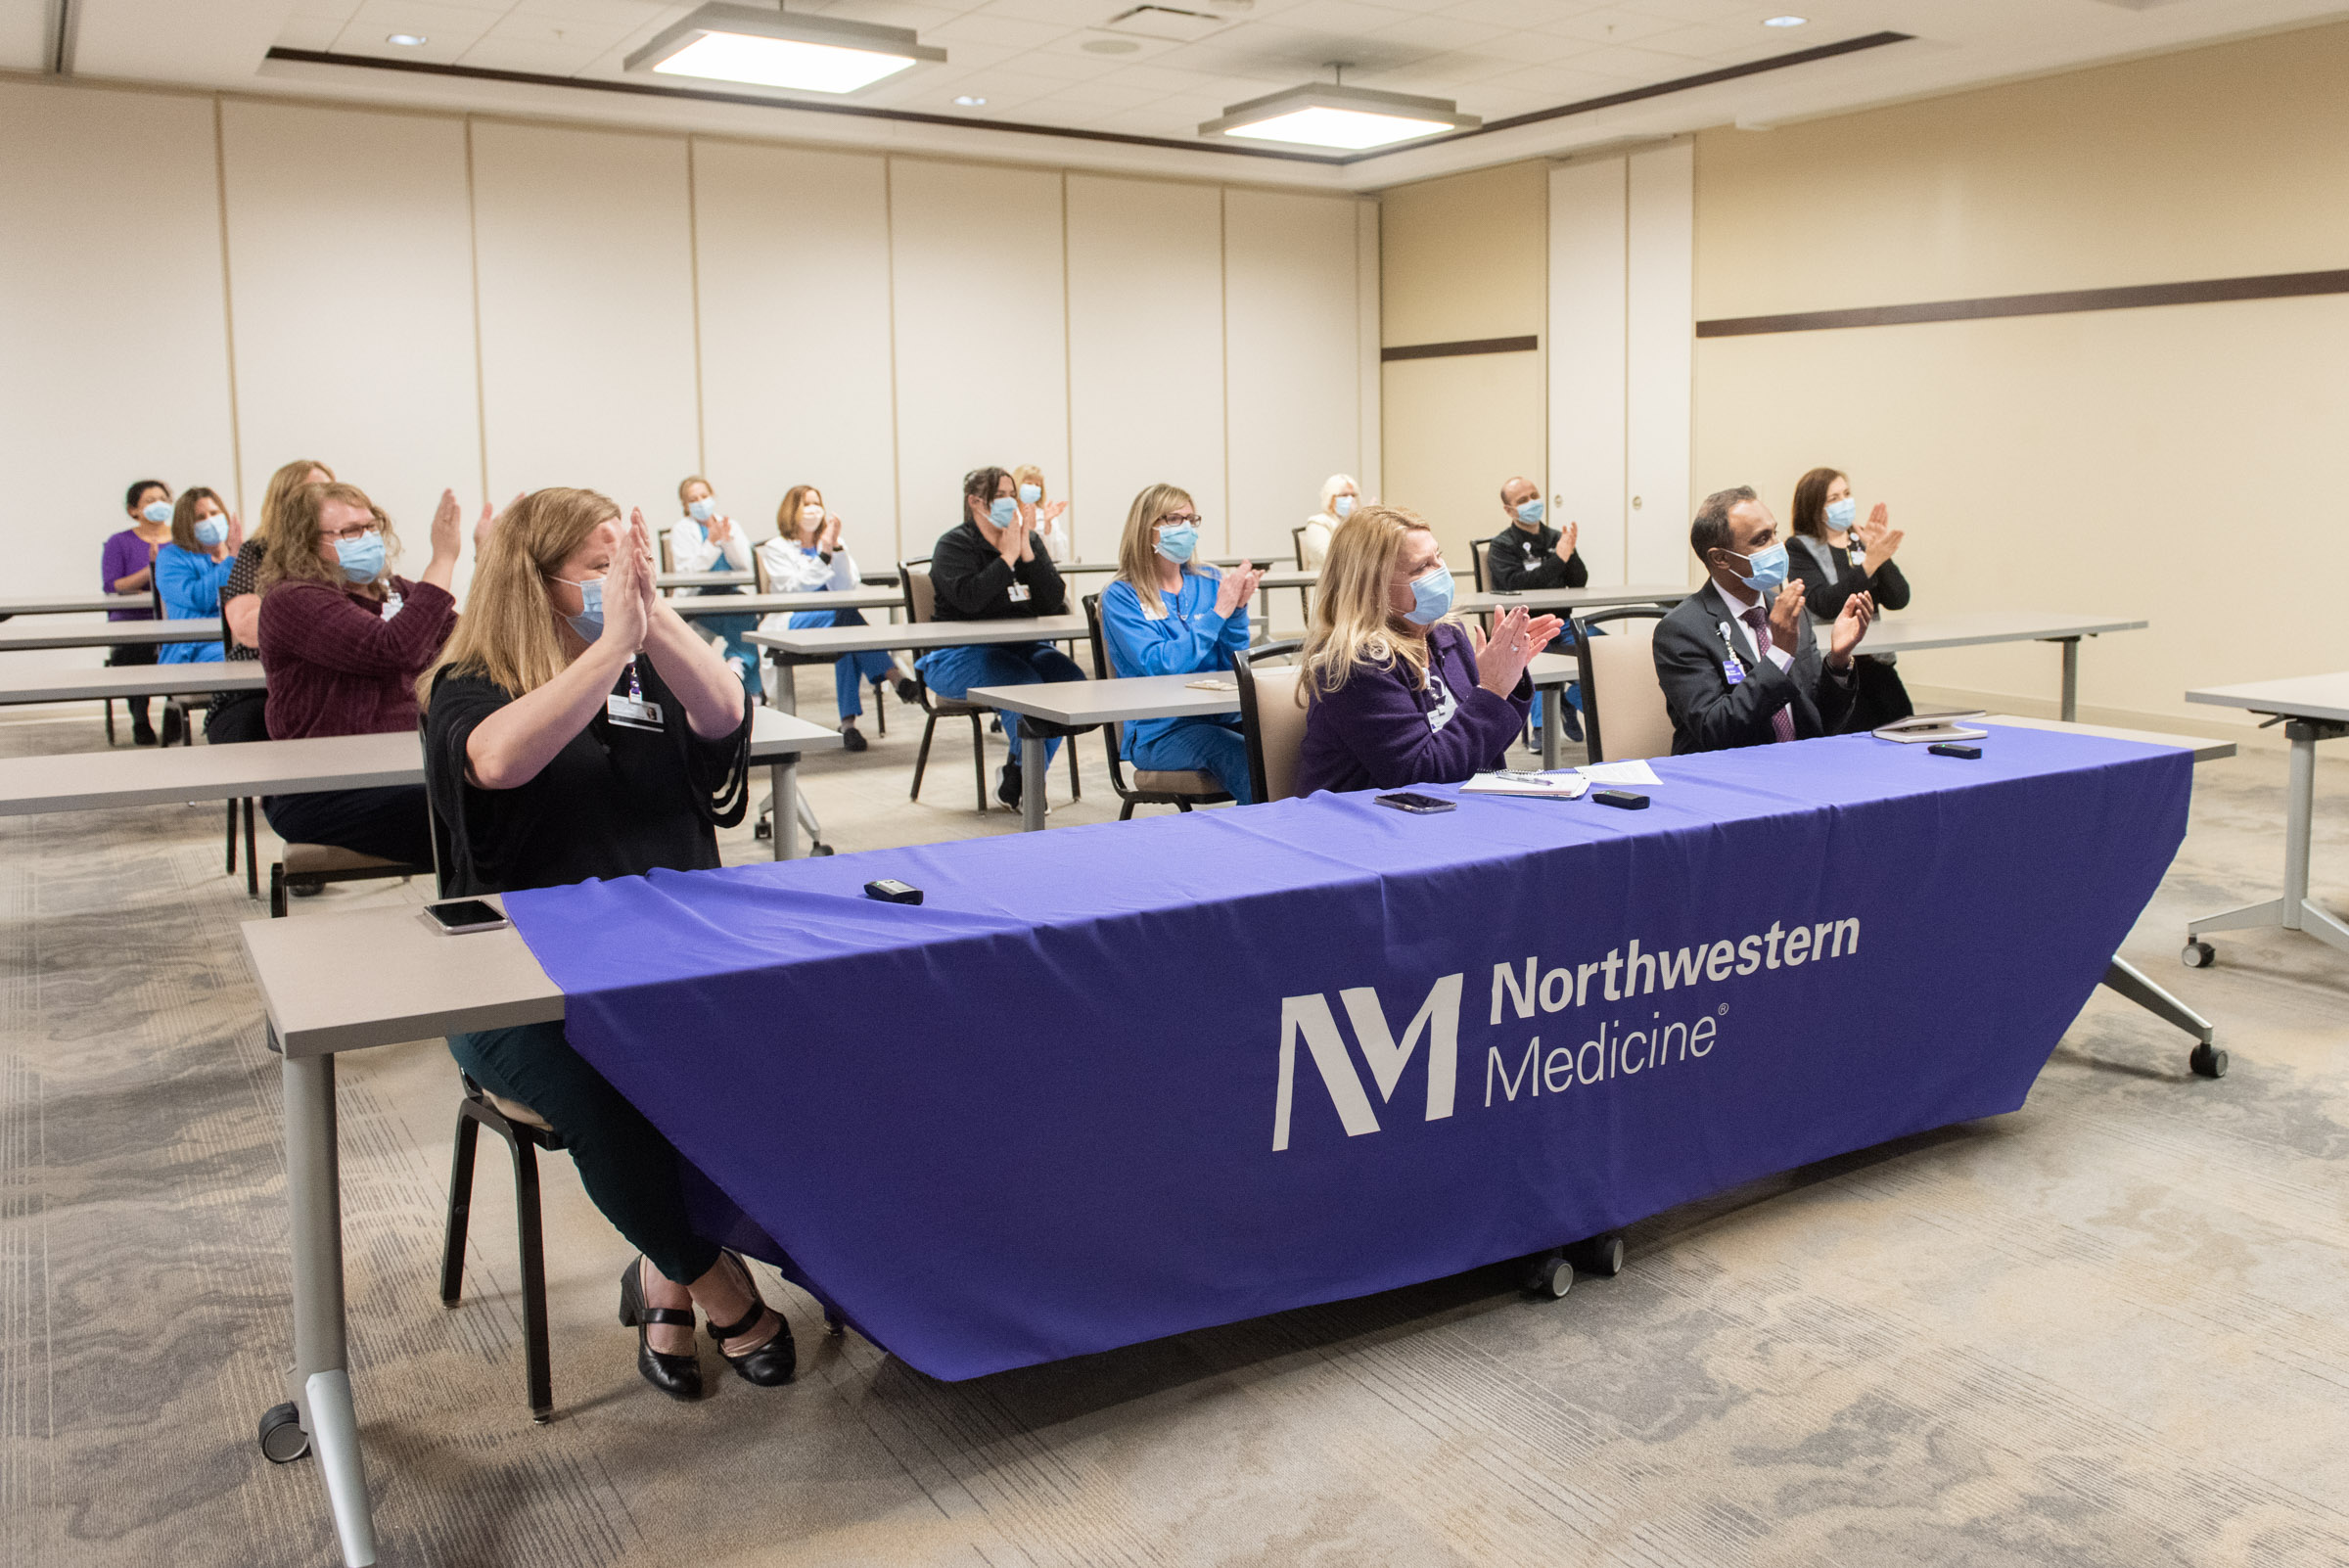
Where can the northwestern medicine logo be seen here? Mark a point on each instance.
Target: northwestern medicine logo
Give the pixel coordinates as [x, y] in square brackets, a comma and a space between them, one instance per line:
[1601, 1059]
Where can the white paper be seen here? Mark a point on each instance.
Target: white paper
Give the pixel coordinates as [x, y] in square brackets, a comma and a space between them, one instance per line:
[1564, 785]
[1618, 774]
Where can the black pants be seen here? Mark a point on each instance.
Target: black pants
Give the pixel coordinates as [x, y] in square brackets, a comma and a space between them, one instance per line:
[239, 717]
[1878, 697]
[134, 652]
[389, 822]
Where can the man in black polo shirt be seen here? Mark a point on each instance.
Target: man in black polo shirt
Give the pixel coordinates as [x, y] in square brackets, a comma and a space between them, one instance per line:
[1531, 554]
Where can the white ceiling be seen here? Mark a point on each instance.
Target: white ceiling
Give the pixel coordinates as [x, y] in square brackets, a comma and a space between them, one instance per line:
[1029, 60]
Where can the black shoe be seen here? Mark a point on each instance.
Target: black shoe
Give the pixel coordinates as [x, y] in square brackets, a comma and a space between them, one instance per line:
[678, 1376]
[851, 739]
[771, 1364]
[908, 693]
[1570, 721]
[142, 735]
[1008, 788]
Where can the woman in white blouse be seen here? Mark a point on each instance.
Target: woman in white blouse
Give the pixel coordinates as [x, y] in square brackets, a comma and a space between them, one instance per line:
[1042, 517]
[1340, 495]
[706, 539]
[806, 556]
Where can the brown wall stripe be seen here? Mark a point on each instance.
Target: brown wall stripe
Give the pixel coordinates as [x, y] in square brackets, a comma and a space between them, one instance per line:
[1471, 345]
[2272, 286]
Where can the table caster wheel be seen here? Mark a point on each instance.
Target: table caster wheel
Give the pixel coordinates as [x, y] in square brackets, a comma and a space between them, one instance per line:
[1600, 1254]
[823, 849]
[2198, 955]
[1548, 1276]
[835, 1325]
[283, 1440]
[2208, 1061]
[763, 831]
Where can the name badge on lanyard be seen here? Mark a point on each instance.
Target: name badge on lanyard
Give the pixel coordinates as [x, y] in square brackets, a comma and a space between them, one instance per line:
[1732, 668]
[632, 712]
[1019, 593]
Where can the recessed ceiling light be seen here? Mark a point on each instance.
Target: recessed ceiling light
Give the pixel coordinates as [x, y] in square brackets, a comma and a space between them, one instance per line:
[772, 49]
[967, 100]
[1786, 21]
[1350, 118]
[408, 40]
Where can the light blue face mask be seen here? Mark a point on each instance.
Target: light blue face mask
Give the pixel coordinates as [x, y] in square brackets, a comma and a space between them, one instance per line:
[1177, 541]
[211, 532]
[1766, 571]
[362, 558]
[1840, 514]
[1003, 512]
[1530, 512]
[1430, 598]
[590, 621]
[1341, 508]
[1030, 494]
[157, 511]
[699, 510]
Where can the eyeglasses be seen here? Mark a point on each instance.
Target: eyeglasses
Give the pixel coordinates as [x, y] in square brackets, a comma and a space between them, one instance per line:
[1179, 518]
[354, 532]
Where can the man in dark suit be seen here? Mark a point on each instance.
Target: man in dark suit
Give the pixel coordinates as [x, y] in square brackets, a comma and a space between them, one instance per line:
[1738, 666]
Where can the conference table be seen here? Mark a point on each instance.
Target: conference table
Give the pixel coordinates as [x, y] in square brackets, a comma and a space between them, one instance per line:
[74, 604]
[129, 680]
[1178, 1168]
[691, 605]
[704, 579]
[2314, 708]
[830, 642]
[1907, 632]
[109, 634]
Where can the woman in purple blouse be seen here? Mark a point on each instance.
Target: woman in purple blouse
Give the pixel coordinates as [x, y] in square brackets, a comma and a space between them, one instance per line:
[127, 565]
[1401, 693]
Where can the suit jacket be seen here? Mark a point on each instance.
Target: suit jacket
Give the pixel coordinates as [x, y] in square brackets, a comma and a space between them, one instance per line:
[1811, 559]
[1710, 713]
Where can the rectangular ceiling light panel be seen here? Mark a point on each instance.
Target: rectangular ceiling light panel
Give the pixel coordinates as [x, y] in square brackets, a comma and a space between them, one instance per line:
[1353, 118]
[798, 52]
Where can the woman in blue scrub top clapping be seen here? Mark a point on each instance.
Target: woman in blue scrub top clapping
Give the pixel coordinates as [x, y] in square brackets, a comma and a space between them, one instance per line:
[191, 571]
[1170, 614]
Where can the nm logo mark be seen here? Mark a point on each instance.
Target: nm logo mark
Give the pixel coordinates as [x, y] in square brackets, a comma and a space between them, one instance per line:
[1437, 1019]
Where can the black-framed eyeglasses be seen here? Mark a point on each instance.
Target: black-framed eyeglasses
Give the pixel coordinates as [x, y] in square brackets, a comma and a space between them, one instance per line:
[356, 532]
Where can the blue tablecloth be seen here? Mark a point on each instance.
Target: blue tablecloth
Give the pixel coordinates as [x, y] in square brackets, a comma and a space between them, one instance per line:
[1117, 1082]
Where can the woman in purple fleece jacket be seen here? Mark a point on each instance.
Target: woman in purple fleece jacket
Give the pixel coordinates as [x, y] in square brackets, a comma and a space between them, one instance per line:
[1401, 693]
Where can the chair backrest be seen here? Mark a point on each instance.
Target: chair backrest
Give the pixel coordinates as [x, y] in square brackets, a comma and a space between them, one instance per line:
[668, 557]
[444, 849]
[1272, 719]
[1624, 715]
[1106, 669]
[1296, 545]
[921, 594]
[761, 579]
[228, 641]
[1476, 554]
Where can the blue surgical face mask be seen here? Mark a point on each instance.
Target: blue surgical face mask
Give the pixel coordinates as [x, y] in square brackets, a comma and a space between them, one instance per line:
[1430, 598]
[1030, 494]
[1177, 541]
[1003, 512]
[590, 621]
[1840, 514]
[699, 510]
[1342, 507]
[1530, 512]
[212, 530]
[157, 511]
[362, 558]
[1766, 571]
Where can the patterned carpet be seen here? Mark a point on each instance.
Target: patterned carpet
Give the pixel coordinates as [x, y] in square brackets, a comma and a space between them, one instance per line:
[2107, 1329]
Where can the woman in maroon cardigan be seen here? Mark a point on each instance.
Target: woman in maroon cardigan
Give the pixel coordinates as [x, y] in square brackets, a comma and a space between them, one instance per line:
[343, 641]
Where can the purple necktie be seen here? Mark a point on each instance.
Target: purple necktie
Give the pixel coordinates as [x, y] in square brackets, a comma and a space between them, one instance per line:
[1781, 722]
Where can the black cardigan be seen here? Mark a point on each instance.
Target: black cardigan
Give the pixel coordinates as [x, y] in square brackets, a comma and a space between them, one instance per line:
[1824, 599]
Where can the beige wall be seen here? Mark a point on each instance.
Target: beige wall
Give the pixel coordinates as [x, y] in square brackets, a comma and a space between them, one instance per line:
[2178, 463]
[1462, 259]
[198, 289]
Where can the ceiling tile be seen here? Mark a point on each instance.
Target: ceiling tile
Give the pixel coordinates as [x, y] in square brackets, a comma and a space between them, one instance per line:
[1612, 24]
[982, 27]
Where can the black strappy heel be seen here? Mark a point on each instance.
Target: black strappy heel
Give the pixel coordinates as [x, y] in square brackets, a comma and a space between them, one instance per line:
[773, 1364]
[678, 1376]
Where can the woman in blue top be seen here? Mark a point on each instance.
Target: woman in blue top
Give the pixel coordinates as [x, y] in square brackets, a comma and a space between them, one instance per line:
[1169, 615]
[191, 571]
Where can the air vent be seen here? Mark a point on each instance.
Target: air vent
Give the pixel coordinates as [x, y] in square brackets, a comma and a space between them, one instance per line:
[1167, 23]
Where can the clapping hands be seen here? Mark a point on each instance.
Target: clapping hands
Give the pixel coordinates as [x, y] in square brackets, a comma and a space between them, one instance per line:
[1517, 635]
[1237, 587]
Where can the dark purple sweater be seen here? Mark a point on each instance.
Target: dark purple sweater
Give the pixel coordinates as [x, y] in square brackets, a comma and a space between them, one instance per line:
[1380, 733]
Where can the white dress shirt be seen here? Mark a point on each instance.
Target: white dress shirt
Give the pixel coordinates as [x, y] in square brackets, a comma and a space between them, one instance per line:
[1779, 654]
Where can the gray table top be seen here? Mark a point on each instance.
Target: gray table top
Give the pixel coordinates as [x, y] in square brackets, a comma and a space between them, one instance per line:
[107, 633]
[1116, 702]
[768, 604]
[704, 579]
[78, 781]
[830, 641]
[74, 604]
[2204, 749]
[129, 680]
[2294, 696]
[1590, 598]
[1907, 632]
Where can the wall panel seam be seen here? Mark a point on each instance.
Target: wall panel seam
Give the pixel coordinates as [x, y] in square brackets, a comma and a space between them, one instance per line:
[473, 251]
[889, 245]
[228, 307]
[1068, 369]
[693, 253]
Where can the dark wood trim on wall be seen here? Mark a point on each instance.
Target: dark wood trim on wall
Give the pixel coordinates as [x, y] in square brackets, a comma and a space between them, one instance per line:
[1468, 346]
[2208, 291]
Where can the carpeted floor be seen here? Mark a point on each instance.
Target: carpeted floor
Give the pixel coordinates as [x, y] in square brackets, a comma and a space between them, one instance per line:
[2107, 1329]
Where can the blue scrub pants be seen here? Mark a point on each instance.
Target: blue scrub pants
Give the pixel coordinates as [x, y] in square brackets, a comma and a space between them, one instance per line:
[736, 651]
[953, 671]
[1212, 748]
[850, 671]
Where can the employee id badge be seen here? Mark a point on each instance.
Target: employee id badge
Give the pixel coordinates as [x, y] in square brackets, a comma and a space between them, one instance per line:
[1019, 593]
[632, 712]
[1732, 671]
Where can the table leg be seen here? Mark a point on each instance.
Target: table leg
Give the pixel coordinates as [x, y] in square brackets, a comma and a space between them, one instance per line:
[1553, 726]
[320, 1382]
[2131, 983]
[2070, 713]
[784, 801]
[1033, 770]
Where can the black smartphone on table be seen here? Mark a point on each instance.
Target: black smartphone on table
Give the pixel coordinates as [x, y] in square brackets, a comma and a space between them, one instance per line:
[461, 916]
[1415, 804]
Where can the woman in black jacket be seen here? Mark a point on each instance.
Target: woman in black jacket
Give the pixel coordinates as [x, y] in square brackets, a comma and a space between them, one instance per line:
[1836, 559]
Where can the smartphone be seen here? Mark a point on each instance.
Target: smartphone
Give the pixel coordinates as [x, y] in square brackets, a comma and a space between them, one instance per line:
[459, 916]
[1416, 804]
[1628, 800]
[1953, 748]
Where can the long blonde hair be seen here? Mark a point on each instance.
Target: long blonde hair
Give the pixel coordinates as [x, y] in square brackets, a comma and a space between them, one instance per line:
[291, 551]
[1138, 551]
[787, 515]
[283, 484]
[1352, 626]
[507, 632]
